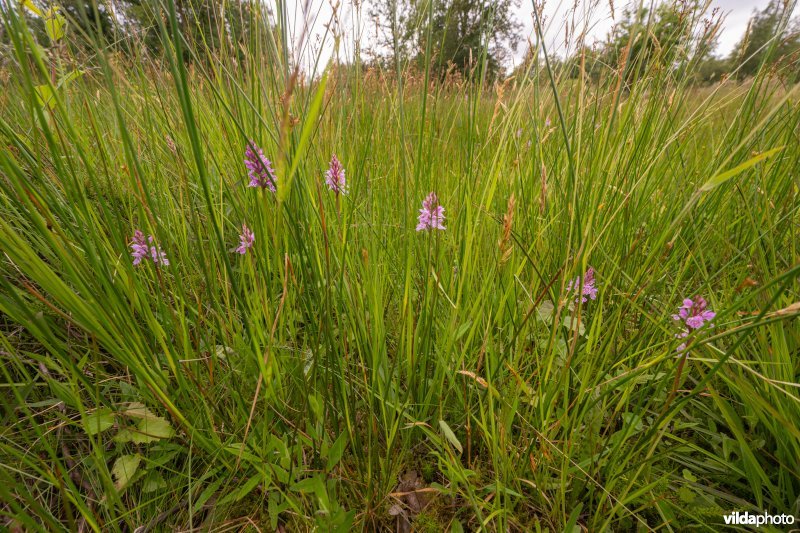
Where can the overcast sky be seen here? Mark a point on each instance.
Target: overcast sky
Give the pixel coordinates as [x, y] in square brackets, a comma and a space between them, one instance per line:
[596, 12]
[737, 14]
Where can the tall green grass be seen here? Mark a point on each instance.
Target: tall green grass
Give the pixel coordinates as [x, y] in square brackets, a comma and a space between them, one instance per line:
[349, 368]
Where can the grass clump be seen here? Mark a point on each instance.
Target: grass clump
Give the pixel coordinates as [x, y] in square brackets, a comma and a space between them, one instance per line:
[346, 366]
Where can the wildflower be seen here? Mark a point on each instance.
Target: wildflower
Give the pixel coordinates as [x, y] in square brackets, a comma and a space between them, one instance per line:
[334, 176]
[141, 249]
[259, 168]
[157, 254]
[694, 314]
[431, 216]
[584, 284]
[681, 335]
[246, 240]
[547, 122]
[519, 133]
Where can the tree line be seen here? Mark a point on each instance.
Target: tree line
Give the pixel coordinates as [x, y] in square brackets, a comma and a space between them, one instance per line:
[134, 25]
[469, 37]
[683, 35]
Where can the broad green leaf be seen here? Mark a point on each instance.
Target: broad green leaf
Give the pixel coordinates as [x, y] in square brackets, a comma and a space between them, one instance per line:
[448, 433]
[164, 453]
[275, 507]
[157, 427]
[32, 7]
[45, 96]
[313, 485]
[72, 76]
[719, 179]
[54, 24]
[150, 428]
[341, 521]
[98, 421]
[124, 469]
[307, 486]
[336, 450]
[686, 494]
[632, 420]
[153, 482]
[138, 410]
[560, 347]
[545, 311]
[135, 436]
[316, 406]
[572, 324]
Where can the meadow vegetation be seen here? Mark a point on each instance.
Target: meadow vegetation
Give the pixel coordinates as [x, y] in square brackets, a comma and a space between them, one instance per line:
[527, 368]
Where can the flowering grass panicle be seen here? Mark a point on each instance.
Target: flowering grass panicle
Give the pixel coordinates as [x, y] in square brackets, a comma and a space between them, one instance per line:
[694, 314]
[504, 244]
[246, 240]
[259, 168]
[142, 249]
[334, 176]
[431, 216]
[585, 284]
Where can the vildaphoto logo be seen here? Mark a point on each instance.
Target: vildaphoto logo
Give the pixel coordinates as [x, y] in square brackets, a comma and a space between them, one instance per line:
[746, 519]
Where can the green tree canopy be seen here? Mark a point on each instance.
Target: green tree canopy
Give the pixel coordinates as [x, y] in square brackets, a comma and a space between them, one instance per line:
[771, 38]
[206, 24]
[456, 31]
[665, 37]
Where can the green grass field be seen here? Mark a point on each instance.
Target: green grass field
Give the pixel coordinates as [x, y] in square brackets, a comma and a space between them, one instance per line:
[349, 372]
